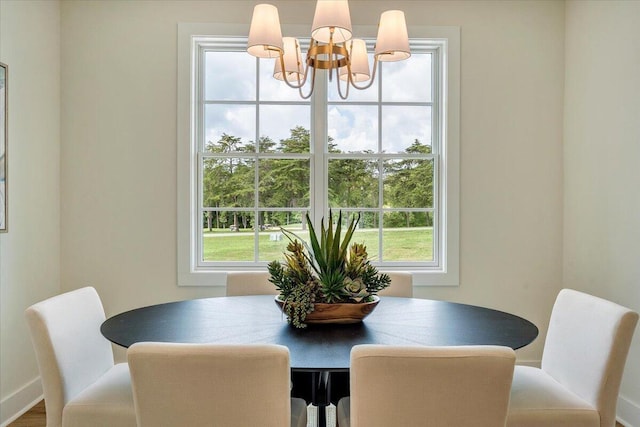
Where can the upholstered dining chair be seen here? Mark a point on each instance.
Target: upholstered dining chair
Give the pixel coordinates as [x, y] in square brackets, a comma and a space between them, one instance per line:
[257, 283]
[401, 286]
[82, 385]
[249, 283]
[465, 386]
[582, 363]
[201, 385]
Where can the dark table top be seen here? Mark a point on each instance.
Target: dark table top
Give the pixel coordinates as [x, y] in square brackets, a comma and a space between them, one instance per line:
[257, 319]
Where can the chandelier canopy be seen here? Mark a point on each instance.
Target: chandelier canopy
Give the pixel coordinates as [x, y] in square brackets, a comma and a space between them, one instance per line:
[331, 48]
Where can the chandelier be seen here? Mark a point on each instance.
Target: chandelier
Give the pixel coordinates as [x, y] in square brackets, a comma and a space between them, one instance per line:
[331, 47]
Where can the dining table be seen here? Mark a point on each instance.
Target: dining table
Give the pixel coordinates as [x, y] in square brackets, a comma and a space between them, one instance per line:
[321, 348]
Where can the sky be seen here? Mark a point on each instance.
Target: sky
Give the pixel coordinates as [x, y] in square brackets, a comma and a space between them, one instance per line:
[231, 76]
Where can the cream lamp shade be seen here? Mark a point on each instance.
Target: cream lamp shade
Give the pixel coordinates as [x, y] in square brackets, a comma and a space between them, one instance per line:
[292, 61]
[265, 35]
[392, 43]
[357, 49]
[331, 14]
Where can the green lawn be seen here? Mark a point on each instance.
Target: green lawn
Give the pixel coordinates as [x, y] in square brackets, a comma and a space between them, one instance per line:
[407, 244]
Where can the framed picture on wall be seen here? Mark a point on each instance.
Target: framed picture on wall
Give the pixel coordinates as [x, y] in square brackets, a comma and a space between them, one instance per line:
[3, 147]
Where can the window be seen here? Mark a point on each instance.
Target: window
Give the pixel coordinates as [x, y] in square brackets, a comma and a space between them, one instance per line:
[253, 156]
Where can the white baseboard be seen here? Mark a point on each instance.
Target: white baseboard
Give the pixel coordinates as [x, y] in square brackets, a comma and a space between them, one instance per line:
[628, 412]
[19, 402]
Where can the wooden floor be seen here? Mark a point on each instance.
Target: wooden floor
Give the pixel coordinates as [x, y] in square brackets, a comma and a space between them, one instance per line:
[36, 417]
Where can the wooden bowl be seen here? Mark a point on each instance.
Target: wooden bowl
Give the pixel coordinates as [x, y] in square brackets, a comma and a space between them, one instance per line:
[344, 313]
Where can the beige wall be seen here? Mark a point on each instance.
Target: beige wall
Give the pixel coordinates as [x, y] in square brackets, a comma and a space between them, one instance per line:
[30, 251]
[119, 130]
[118, 154]
[601, 166]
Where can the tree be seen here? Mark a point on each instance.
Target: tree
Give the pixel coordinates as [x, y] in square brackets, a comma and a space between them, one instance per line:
[229, 177]
[286, 181]
[409, 182]
[227, 180]
[353, 183]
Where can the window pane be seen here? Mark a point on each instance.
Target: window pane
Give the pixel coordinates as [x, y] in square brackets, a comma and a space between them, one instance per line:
[355, 95]
[230, 238]
[229, 76]
[367, 233]
[284, 182]
[273, 243]
[407, 236]
[403, 125]
[237, 121]
[228, 182]
[407, 81]
[394, 192]
[286, 122]
[408, 183]
[360, 190]
[354, 128]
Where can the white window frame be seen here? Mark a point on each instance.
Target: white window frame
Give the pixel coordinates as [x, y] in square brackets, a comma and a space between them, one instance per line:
[444, 272]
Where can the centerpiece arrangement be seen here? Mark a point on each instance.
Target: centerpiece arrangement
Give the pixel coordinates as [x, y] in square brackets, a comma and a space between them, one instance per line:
[326, 275]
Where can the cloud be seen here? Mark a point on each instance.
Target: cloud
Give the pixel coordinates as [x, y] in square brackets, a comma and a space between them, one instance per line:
[236, 120]
[353, 127]
[232, 76]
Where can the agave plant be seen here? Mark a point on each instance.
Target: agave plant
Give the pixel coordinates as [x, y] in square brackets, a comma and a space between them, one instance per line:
[326, 269]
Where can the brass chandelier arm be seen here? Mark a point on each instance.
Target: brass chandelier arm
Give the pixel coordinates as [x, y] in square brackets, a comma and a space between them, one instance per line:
[302, 82]
[284, 74]
[346, 95]
[339, 57]
[313, 83]
[351, 82]
[371, 80]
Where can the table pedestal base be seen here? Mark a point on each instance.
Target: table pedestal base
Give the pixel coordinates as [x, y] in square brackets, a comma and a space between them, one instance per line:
[320, 395]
